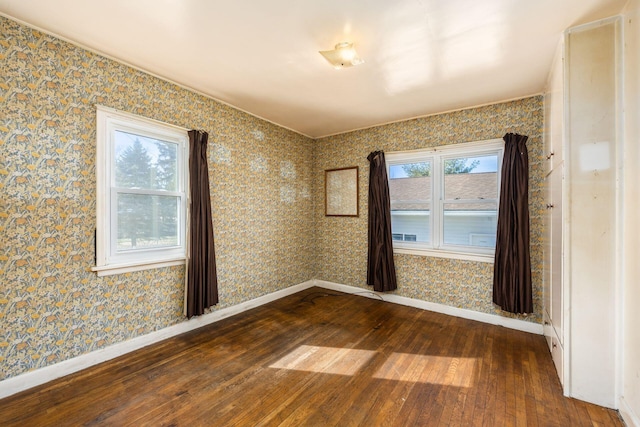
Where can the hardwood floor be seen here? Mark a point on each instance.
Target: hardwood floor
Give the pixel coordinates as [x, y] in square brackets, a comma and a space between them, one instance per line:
[319, 358]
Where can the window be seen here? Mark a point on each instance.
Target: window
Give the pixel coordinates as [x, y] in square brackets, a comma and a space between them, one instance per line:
[444, 201]
[141, 205]
[407, 237]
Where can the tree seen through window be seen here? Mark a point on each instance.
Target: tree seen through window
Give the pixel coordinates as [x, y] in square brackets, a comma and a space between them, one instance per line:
[145, 170]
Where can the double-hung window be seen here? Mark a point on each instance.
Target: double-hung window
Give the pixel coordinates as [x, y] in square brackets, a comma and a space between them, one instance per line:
[141, 193]
[444, 200]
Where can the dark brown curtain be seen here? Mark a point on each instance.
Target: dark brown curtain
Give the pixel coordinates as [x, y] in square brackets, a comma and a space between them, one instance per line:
[512, 268]
[381, 271]
[202, 283]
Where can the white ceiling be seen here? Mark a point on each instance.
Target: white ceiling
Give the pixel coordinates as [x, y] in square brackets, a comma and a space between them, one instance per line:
[422, 56]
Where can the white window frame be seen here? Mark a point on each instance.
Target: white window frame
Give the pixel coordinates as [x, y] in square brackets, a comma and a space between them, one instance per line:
[437, 156]
[108, 260]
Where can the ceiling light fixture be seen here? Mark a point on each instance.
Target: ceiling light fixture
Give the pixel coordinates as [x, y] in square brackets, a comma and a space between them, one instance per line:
[344, 55]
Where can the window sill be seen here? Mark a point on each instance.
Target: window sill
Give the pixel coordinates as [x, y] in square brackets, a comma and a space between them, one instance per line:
[109, 270]
[465, 256]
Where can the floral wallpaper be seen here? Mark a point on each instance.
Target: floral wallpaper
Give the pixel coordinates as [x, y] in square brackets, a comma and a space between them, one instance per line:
[52, 307]
[341, 243]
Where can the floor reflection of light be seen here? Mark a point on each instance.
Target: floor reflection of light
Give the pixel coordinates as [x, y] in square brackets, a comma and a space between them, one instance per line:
[449, 371]
[441, 370]
[327, 360]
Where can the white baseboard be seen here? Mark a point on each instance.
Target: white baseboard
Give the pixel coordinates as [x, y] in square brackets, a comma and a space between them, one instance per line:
[629, 416]
[507, 322]
[48, 373]
[40, 376]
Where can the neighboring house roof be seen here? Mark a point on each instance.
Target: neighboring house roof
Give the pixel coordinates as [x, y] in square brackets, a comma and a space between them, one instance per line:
[415, 193]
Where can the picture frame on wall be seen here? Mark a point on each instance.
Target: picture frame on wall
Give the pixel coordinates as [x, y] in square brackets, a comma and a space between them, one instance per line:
[341, 192]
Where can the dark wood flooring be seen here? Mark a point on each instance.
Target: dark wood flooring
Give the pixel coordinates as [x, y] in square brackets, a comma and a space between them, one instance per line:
[319, 358]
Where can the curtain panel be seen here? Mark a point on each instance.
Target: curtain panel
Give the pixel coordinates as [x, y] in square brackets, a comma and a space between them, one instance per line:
[381, 270]
[202, 282]
[512, 268]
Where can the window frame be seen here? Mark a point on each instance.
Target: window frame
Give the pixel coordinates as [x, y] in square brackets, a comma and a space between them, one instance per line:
[108, 260]
[437, 156]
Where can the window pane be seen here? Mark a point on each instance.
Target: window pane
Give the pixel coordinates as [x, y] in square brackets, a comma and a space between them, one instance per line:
[410, 192]
[146, 221]
[470, 224]
[471, 178]
[410, 170]
[146, 163]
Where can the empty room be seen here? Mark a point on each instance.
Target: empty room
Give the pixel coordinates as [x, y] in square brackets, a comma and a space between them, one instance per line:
[320, 213]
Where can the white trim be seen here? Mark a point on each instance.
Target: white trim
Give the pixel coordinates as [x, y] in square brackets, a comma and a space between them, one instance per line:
[507, 322]
[618, 21]
[593, 24]
[410, 213]
[485, 146]
[132, 116]
[109, 270]
[470, 212]
[40, 376]
[48, 373]
[565, 168]
[465, 256]
[630, 418]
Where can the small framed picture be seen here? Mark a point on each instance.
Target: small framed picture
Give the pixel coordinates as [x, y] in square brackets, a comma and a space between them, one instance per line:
[341, 192]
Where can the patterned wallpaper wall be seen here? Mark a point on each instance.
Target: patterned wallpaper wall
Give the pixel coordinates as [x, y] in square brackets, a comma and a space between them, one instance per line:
[341, 243]
[267, 188]
[52, 307]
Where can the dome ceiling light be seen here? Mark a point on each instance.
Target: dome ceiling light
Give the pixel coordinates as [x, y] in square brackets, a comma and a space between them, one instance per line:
[344, 55]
